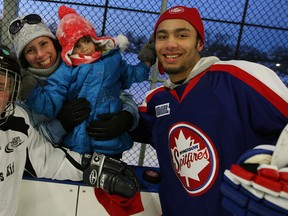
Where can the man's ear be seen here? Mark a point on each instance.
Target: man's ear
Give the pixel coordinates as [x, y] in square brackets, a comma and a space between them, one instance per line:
[200, 45]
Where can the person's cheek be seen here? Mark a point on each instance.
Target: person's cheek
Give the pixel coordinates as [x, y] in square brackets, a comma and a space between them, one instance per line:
[3, 101]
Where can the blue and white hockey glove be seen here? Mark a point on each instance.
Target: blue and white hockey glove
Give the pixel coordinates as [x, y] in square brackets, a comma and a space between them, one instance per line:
[258, 183]
[112, 175]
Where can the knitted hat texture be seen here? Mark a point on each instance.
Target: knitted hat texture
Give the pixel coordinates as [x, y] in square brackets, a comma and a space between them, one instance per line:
[191, 15]
[71, 28]
[28, 33]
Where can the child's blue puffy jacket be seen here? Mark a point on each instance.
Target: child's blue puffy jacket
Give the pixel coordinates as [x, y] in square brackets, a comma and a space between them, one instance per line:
[100, 83]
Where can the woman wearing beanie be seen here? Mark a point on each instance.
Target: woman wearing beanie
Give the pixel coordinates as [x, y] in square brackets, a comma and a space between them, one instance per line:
[93, 68]
[39, 53]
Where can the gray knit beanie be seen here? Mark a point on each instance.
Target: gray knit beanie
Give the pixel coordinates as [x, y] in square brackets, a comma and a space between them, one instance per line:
[28, 33]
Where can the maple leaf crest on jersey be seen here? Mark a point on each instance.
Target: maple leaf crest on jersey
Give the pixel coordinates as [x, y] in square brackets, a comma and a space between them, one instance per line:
[194, 158]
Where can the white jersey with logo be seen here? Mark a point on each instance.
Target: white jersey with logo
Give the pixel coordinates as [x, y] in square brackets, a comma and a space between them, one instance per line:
[21, 147]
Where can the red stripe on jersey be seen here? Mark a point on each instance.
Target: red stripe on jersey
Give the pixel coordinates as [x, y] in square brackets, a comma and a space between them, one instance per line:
[254, 83]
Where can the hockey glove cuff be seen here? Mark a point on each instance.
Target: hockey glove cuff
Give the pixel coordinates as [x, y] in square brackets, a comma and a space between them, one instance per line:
[112, 175]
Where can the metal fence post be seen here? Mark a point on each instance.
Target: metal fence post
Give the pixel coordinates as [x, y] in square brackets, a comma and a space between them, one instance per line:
[154, 80]
[10, 11]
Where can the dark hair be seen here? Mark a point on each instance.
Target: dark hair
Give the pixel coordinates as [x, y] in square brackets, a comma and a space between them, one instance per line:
[56, 44]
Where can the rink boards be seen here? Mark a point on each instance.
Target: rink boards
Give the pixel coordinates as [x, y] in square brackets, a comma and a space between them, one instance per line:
[43, 197]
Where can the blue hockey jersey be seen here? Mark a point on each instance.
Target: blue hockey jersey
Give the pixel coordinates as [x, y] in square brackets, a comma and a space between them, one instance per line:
[201, 127]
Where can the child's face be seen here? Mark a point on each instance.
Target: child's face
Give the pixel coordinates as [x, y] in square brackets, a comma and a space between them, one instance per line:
[84, 46]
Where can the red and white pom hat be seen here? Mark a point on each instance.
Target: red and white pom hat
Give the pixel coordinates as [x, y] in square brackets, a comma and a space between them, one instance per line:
[191, 15]
[72, 27]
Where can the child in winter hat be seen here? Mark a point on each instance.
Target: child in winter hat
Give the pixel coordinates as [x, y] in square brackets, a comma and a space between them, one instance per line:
[71, 29]
[99, 78]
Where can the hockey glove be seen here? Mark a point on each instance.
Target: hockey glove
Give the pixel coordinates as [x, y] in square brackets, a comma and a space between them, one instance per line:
[113, 176]
[254, 186]
[73, 113]
[148, 53]
[110, 125]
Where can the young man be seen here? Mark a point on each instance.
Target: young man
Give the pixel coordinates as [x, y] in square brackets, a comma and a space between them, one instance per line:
[205, 115]
[21, 147]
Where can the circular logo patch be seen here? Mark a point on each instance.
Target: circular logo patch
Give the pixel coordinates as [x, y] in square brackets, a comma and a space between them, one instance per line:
[176, 10]
[194, 158]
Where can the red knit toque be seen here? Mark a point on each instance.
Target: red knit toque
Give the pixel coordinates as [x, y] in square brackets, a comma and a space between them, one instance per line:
[191, 15]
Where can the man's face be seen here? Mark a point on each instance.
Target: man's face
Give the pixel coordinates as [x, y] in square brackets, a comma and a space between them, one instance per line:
[177, 47]
[4, 91]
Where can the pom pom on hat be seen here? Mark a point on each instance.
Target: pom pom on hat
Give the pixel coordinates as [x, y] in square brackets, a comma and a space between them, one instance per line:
[71, 28]
[63, 10]
[191, 15]
[122, 42]
[28, 33]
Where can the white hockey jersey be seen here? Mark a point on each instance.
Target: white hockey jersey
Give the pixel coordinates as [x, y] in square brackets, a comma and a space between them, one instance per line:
[22, 147]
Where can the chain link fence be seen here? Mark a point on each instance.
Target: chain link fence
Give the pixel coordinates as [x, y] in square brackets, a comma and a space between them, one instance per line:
[254, 30]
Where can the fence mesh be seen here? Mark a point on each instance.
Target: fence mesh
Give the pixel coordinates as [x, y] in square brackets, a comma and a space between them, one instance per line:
[254, 30]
